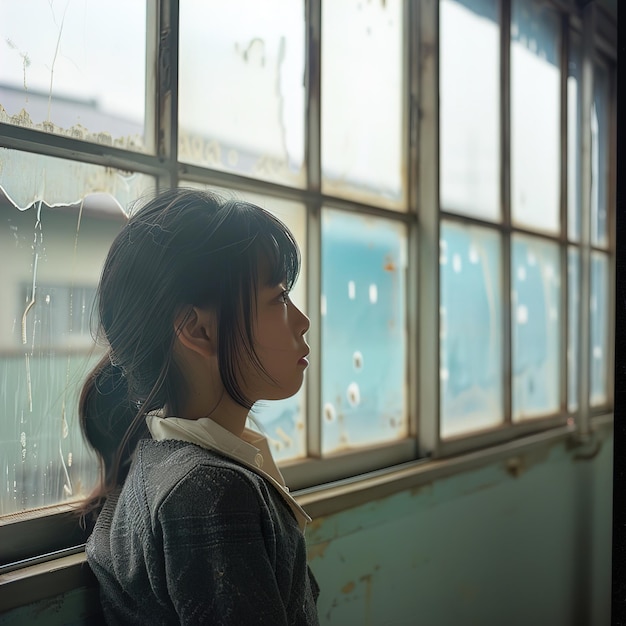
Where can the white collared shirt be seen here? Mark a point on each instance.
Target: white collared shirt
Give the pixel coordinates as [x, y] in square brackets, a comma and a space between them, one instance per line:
[251, 449]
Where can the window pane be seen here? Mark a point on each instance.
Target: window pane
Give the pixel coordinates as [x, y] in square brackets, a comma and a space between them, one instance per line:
[599, 156]
[241, 90]
[574, 146]
[63, 70]
[470, 329]
[535, 116]
[470, 134]
[599, 306]
[573, 334]
[363, 331]
[51, 254]
[536, 323]
[363, 100]
[283, 422]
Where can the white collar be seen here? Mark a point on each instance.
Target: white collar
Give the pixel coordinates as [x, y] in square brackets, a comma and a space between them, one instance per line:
[251, 449]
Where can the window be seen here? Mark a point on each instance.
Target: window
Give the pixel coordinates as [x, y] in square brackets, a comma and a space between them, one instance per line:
[431, 160]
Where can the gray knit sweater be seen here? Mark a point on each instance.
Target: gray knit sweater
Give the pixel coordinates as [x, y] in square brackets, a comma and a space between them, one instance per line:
[196, 538]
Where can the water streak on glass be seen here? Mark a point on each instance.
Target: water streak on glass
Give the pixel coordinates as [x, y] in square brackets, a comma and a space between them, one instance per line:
[535, 116]
[63, 70]
[363, 331]
[471, 377]
[599, 156]
[470, 133]
[574, 146]
[363, 89]
[536, 324]
[52, 251]
[241, 87]
[573, 334]
[599, 309]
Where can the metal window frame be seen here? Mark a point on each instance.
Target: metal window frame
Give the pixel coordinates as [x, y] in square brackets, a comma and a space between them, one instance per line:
[56, 527]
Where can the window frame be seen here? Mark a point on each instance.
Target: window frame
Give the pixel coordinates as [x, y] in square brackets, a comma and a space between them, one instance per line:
[35, 532]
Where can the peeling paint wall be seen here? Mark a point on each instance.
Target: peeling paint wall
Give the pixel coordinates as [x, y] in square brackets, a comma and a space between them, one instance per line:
[516, 543]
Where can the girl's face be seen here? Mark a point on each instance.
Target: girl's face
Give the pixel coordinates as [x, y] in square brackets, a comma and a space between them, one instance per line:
[280, 346]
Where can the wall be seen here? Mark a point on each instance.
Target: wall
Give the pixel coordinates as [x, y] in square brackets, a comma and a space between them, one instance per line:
[521, 546]
[518, 543]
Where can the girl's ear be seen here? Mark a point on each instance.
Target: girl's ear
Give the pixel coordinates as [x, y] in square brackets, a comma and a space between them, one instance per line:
[196, 329]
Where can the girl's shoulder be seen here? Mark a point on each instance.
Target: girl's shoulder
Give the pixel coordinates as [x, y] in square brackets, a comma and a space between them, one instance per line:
[172, 470]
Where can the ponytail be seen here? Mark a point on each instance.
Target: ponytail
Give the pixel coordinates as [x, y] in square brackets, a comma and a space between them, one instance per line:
[110, 422]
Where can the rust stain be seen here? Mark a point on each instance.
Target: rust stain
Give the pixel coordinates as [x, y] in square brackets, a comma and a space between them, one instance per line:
[417, 490]
[389, 266]
[317, 550]
[367, 579]
[347, 588]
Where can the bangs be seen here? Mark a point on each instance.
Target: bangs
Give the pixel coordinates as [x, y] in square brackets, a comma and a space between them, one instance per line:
[273, 248]
[279, 256]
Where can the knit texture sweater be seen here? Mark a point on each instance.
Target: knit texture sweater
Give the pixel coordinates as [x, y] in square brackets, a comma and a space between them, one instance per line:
[194, 537]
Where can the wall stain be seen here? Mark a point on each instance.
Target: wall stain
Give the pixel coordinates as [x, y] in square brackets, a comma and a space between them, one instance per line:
[317, 550]
[348, 587]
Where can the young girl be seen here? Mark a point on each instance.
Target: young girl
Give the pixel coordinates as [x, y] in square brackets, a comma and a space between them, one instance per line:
[196, 524]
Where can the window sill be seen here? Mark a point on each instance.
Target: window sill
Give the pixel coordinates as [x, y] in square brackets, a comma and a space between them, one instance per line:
[324, 500]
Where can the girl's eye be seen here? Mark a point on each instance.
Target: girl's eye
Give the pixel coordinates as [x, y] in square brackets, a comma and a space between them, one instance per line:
[284, 296]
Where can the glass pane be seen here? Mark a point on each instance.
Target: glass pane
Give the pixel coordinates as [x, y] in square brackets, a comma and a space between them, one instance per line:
[363, 331]
[283, 422]
[573, 331]
[76, 69]
[51, 254]
[470, 134]
[536, 324]
[470, 329]
[599, 306]
[574, 146]
[535, 116]
[363, 124]
[241, 89]
[599, 156]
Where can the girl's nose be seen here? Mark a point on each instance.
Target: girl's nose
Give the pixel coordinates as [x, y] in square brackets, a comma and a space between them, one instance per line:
[303, 322]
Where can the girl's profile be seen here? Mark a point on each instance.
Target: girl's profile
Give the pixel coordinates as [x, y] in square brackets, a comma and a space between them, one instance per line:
[195, 524]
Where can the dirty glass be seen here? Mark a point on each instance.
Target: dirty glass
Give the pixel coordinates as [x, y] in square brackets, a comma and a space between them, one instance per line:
[599, 156]
[63, 70]
[599, 310]
[469, 110]
[363, 116]
[363, 309]
[283, 422]
[470, 331]
[574, 149]
[241, 87]
[536, 324]
[57, 221]
[573, 326]
[535, 116]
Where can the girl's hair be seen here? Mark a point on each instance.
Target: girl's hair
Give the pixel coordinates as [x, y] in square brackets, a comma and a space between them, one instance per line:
[183, 248]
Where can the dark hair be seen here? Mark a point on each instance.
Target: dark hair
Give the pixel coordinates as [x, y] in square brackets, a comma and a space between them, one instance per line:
[183, 248]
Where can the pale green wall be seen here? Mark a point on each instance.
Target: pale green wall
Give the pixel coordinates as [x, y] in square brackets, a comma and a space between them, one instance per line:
[484, 548]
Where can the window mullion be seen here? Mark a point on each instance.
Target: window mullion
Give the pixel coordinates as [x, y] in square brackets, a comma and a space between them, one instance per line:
[167, 85]
[564, 366]
[313, 18]
[505, 191]
[313, 25]
[585, 226]
[428, 203]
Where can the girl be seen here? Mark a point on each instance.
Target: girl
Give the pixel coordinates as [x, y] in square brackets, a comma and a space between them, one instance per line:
[196, 524]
